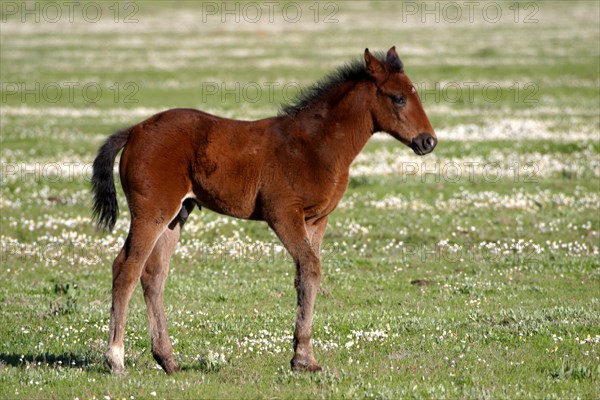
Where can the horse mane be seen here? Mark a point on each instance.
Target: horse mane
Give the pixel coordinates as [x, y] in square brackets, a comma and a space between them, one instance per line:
[352, 71]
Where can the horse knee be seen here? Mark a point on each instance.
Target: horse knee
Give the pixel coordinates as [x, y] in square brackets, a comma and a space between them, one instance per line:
[309, 266]
[125, 278]
[308, 273]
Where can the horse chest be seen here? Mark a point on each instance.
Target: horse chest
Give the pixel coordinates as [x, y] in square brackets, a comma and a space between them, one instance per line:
[324, 200]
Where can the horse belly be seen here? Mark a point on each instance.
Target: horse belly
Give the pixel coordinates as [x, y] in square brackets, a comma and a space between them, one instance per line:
[230, 189]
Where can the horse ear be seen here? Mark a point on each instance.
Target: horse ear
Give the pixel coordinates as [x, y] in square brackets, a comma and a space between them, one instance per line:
[374, 67]
[393, 60]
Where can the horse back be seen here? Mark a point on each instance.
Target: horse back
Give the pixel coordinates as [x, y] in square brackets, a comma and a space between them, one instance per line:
[183, 153]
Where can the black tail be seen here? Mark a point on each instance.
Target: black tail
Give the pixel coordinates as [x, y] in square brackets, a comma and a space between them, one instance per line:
[106, 209]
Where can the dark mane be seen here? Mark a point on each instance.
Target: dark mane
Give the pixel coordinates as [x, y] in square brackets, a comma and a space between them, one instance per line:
[352, 71]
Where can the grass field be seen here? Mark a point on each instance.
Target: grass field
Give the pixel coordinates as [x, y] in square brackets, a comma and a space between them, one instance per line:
[472, 272]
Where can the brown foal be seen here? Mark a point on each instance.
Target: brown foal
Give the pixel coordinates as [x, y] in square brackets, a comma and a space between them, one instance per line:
[290, 171]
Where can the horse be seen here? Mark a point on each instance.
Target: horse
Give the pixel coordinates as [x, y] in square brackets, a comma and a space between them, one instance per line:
[290, 171]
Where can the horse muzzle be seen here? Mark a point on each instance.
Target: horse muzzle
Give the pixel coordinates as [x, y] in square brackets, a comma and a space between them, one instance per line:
[423, 143]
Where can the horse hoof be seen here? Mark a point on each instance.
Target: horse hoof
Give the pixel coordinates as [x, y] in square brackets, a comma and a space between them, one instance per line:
[167, 363]
[114, 360]
[305, 365]
[171, 367]
[116, 369]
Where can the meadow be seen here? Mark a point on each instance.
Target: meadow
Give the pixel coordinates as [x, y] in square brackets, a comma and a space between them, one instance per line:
[472, 272]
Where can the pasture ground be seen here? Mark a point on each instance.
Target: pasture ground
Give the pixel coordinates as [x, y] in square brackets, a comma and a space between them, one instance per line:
[472, 272]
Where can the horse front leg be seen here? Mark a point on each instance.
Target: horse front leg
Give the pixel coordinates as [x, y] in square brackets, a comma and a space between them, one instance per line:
[307, 283]
[296, 236]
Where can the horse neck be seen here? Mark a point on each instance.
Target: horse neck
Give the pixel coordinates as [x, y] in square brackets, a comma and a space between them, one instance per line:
[343, 124]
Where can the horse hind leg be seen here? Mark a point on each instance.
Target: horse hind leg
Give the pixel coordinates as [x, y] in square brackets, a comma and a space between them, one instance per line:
[115, 352]
[127, 270]
[153, 283]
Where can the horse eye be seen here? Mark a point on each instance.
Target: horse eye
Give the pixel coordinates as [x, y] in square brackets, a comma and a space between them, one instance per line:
[399, 100]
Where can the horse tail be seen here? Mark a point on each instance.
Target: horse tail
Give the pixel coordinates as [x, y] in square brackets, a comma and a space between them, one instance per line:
[106, 208]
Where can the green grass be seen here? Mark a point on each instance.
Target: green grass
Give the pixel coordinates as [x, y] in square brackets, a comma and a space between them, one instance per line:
[481, 286]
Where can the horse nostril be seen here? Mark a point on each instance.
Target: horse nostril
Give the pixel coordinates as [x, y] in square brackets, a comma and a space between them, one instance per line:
[430, 142]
